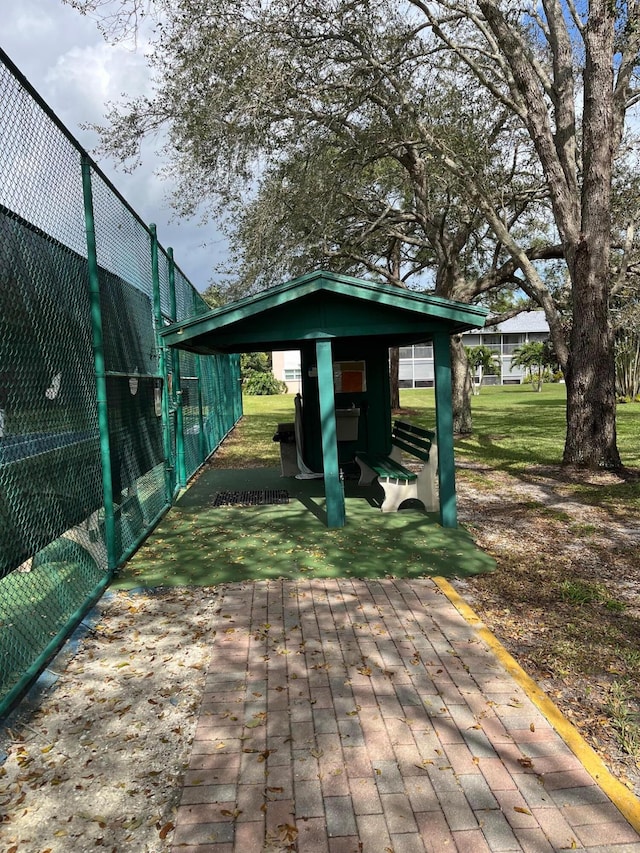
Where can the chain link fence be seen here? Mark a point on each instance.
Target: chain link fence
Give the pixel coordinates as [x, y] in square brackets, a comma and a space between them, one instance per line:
[99, 425]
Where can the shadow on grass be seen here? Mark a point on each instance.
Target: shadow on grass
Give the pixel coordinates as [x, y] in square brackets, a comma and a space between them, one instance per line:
[198, 544]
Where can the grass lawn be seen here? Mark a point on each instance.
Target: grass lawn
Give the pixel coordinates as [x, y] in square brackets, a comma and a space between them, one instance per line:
[514, 426]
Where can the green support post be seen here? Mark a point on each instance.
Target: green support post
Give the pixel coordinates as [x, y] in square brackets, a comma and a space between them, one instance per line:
[444, 431]
[333, 487]
[181, 466]
[162, 367]
[99, 362]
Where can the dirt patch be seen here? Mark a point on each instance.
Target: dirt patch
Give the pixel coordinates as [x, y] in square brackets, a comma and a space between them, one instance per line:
[565, 599]
[97, 762]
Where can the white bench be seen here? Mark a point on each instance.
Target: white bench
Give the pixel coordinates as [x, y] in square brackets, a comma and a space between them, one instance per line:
[399, 483]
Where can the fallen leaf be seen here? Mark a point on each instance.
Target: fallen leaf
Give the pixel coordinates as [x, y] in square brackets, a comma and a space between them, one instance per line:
[166, 829]
[525, 762]
[521, 810]
[289, 833]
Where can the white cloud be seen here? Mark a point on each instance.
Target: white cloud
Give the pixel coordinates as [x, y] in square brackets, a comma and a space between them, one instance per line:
[31, 23]
[96, 74]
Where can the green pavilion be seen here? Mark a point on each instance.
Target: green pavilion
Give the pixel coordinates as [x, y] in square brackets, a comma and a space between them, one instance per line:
[343, 327]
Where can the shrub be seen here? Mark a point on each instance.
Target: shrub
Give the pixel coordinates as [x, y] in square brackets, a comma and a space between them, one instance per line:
[262, 384]
[257, 378]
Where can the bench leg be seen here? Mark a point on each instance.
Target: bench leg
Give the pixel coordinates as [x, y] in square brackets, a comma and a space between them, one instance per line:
[427, 483]
[427, 491]
[367, 475]
[395, 493]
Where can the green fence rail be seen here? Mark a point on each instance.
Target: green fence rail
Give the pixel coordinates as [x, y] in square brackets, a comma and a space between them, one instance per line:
[100, 426]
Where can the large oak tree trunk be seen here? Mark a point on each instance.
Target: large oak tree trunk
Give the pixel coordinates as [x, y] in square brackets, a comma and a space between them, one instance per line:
[590, 374]
[394, 371]
[591, 401]
[460, 388]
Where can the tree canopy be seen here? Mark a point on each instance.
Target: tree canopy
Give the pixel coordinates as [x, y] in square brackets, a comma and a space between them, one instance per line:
[473, 139]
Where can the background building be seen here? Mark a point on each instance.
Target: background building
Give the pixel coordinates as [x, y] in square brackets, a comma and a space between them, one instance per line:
[286, 367]
[416, 362]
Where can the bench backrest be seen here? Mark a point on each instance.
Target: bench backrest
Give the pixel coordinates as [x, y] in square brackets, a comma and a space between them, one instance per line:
[412, 439]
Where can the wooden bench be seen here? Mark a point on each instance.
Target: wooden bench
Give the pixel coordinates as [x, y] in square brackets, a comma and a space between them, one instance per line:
[399, 483]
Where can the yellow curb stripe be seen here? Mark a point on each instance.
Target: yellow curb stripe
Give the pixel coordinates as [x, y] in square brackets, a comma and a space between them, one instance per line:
[627, 803]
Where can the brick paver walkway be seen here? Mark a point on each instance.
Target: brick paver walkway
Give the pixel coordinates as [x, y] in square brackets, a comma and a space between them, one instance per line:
[365, 717]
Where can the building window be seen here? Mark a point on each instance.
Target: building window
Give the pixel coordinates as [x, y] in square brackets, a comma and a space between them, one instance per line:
[492, 341]
[423, 352]
[511, 343]
[291, 374]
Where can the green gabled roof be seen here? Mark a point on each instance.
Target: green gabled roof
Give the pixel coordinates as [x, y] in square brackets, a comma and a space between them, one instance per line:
[322, 305]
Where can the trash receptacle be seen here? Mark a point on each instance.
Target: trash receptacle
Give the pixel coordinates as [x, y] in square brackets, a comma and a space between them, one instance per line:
[347, 424]
[286, 438]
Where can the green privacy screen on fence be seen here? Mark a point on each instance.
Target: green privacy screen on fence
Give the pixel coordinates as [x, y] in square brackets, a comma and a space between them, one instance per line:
[99, 426]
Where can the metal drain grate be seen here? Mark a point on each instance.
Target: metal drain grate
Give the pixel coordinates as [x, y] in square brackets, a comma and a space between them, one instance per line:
[250, 497]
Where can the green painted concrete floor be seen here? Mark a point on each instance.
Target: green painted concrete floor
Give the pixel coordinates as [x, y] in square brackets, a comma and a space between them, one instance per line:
[197, 544]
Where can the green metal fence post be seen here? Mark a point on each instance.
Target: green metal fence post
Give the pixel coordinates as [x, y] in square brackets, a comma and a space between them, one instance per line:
[99, 362]
[181, 465]
[162, 367]
[444, 431]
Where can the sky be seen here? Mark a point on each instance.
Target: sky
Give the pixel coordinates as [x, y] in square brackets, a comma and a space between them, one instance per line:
[69, 64]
